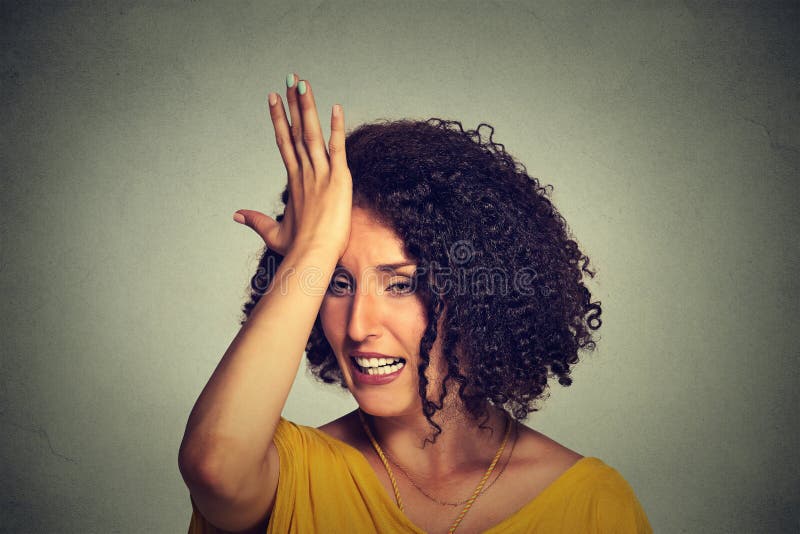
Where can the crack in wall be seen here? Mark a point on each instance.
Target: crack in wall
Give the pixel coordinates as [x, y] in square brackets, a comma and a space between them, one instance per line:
[773, 141]
[42, 433]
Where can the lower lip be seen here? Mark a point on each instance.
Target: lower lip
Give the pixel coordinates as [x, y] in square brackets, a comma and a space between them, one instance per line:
[373, 380]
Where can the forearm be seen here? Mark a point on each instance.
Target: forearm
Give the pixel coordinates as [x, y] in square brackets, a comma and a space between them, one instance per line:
[235, 417]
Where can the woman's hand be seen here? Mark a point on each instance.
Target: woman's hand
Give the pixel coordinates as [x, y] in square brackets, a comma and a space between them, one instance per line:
[317, 214]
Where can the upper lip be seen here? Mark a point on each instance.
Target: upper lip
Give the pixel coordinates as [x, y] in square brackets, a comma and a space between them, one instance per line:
[359, 354]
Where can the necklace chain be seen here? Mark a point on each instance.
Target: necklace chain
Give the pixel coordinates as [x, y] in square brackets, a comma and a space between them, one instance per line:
[457, 503]
[469, 502]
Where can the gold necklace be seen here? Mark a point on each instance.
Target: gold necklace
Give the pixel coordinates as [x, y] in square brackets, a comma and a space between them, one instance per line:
[475, 494]
[457, 503]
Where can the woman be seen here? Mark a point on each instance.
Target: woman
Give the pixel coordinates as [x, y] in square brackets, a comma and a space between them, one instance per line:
[426, 272]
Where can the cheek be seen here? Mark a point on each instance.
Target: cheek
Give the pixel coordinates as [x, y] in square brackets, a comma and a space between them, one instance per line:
[332, 318]
[410, 324]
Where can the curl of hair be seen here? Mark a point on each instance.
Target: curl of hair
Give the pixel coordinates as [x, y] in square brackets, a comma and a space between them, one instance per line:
[495, 259]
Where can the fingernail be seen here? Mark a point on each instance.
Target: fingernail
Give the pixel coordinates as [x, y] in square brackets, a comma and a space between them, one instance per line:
[238, 217]
[301, 87]
[337, 110]
[290, 80]
[273, 99]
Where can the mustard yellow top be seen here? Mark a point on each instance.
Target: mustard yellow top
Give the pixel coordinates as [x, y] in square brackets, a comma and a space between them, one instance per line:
[326, 485]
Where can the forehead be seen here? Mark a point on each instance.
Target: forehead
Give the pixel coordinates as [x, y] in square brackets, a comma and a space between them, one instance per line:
[371, 243]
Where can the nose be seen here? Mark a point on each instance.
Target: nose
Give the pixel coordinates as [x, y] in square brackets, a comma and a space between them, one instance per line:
[364, 321]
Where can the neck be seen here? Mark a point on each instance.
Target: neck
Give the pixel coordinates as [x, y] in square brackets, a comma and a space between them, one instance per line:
[464, 444]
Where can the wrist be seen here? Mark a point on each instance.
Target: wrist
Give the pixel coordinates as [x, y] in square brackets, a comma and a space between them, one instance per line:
[323, 252]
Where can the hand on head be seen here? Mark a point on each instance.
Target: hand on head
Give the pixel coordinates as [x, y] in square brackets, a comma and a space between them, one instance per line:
[317, 213]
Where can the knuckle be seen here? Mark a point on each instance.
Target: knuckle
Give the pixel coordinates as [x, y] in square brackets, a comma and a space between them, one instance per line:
[309, 136]
[297, 134]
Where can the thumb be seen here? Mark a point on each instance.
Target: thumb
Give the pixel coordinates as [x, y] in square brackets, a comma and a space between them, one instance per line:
[265, 226]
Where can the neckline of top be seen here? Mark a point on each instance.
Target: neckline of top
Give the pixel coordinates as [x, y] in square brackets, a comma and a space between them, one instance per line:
[569, 473]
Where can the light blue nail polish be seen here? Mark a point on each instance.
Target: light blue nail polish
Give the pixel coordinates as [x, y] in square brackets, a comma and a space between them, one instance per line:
[301, 87]
[290, 80]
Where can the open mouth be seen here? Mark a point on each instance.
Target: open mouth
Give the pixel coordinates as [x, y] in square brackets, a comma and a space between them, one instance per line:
[378, 366]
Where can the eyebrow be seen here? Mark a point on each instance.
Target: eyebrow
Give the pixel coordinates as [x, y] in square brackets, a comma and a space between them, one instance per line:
[385, 267]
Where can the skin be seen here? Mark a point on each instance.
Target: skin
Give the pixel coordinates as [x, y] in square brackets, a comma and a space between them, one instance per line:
[372, 312]
[228, 459]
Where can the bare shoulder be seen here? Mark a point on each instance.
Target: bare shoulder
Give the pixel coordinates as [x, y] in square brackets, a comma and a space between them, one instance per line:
[537, 444]
[542, 458]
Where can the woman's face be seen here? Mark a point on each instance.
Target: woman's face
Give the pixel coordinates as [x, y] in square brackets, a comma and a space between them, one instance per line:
[374, 320]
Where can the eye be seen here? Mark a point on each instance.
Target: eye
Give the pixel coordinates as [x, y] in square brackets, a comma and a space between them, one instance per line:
[339, 286]
[401, 288]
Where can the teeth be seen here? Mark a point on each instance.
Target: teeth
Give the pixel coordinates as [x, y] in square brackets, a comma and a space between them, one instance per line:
[373, 366]
[376, 362]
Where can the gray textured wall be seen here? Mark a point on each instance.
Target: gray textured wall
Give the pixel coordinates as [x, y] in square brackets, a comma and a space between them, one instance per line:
[132, 130]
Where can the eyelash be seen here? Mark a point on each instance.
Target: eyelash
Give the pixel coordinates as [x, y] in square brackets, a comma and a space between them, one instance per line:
[338, 291]
[334, 289]
[408, 290]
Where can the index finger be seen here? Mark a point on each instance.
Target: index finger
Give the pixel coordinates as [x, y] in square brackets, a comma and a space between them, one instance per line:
[283, 135]
[336, 148]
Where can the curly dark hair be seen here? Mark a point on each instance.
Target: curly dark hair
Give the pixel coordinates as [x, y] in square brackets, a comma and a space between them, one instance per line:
[492, 251]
